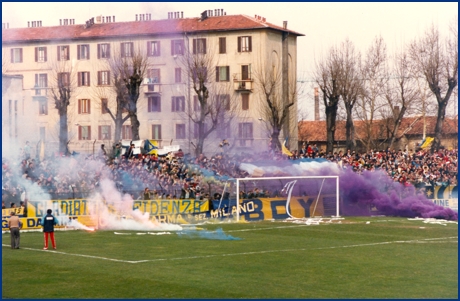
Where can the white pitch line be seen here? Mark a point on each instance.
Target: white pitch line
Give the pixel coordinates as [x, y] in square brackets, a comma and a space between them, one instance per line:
[239, 254]
[79, 255]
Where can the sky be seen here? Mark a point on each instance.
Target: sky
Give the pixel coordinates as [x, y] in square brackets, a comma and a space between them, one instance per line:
[324, 24]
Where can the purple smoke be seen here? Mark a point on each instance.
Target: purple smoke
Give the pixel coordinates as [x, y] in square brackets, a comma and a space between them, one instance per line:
[360, 192]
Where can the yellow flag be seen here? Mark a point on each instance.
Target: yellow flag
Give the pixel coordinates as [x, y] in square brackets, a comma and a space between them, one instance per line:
[427, 142]
[284, 149]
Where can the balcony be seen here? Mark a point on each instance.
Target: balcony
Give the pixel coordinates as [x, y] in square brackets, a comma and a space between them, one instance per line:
[152, 88]
[242, 83]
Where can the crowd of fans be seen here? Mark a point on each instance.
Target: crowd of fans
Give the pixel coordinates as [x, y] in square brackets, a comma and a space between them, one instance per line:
[182, 176]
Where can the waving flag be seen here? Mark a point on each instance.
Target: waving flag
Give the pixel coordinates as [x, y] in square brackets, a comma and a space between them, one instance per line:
[427, 142]
[284, 149]
[151, 147]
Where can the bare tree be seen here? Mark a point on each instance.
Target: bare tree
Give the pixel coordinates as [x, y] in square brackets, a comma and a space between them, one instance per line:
[129, 67]
[210, 105]
[436, 59]
[62, 86]
[351, 86]
[274, 108]
[375, 77]
[401, 94]
[327, 76]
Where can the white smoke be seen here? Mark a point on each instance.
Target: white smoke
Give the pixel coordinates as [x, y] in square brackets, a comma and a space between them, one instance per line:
[114, 211]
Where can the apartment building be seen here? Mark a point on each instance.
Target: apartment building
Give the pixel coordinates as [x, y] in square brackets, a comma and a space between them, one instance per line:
[239, 47]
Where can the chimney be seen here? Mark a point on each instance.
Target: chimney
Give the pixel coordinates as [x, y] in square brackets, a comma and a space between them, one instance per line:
[221, 11]
[285, 24]
[136, 17]
[28, 23]
[316, 104]
[181, 14]
[204, 15]
[113, 18]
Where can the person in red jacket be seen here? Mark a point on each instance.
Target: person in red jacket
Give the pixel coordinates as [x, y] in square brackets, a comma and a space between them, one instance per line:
[48, 223]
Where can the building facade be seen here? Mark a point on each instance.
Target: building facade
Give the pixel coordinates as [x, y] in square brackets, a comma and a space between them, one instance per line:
[238, 48]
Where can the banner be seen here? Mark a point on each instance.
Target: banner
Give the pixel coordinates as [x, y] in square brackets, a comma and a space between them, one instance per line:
[270, 208]
[18, 211]
[86, 213]
[446, 196]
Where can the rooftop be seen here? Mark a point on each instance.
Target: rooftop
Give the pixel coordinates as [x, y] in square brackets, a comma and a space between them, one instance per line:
[138, 28]
[316, 130]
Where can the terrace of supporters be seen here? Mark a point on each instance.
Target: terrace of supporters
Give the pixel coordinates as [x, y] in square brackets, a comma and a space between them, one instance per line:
[179, 176]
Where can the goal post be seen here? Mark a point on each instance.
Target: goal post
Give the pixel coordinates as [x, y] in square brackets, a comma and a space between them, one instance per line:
[304, 196]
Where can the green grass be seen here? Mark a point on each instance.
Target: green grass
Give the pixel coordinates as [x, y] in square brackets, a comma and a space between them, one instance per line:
[388, 258]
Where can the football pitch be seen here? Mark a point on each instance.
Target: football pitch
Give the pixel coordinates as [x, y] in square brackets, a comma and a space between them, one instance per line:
[359, 257]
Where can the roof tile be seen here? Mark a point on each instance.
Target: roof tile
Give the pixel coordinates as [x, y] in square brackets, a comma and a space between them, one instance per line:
[151, 27]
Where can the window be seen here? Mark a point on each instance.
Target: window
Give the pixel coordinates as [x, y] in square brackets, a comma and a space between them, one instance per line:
[41, 81]
[156, 131]
[104, 132]
[103, 51]
[16, 55]
[199, 46]
[222, 74]
[84, 132]
[126, 132]
[43, 107]
[83, 78]
[153, 48]
[83, 52]
[223, 101]
[154, 104]
[222, 45]
[245, 101]
[40, 54]
[196, 104]
[154, 76]
[223, 130]
[104, 105]
[127, 49]
[196, 130]
[103, 78]
[63, 79]
[245, 72]
[177, 47]
[180, 131]
[84, 106]
[245, 44]
[63, 53]
[178, 104]
[178, 75]
[245, 133]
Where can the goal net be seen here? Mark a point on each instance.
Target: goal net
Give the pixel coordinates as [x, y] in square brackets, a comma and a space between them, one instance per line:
[287, 197]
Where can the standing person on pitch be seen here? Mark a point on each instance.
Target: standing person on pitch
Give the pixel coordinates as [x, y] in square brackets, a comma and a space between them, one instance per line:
[14, 224]
[48, 223]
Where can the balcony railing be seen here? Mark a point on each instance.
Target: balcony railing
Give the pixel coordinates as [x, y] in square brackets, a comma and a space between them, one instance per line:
[242, 84]
[152, 88]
